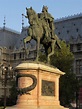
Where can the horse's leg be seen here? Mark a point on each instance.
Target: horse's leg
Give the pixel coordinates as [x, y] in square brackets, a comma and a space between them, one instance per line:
[26, 40]
[52, 50]
[24, 49]
[38, 47]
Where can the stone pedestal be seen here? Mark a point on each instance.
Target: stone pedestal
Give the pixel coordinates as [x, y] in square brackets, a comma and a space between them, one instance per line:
[46, 93]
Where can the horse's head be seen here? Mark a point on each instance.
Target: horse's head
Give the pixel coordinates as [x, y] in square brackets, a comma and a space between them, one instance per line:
[31, 14]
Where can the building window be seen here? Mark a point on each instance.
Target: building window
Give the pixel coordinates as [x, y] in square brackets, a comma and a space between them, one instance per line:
[20, 55]
[77, 30]
[59, 33]
[74, 24]
[14, 55]
[9, 47]
[78, 46]
[79, 66]
[71, 48]
[67, 31]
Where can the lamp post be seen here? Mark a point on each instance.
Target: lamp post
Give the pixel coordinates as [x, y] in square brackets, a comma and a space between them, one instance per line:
[76, 100]
[7, 73]
[77, 94]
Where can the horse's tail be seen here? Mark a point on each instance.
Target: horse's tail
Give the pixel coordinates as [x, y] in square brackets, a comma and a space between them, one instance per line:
[57, 41]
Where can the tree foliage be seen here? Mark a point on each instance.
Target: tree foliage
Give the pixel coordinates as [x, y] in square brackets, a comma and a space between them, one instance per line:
[13, 92]
[63, 58]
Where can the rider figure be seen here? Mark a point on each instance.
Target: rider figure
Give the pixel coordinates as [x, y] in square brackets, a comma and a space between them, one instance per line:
[49, 20]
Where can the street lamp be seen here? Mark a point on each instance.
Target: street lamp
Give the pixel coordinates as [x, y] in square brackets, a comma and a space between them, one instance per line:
[77, 94]
[7, 73]
[77, 100]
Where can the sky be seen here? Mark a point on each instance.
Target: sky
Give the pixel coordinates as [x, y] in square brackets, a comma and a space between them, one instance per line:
[12, 10]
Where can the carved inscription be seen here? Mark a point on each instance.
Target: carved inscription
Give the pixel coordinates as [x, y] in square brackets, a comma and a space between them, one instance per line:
[48, 88]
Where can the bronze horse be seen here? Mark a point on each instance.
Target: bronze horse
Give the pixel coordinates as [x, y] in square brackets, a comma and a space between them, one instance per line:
[36, 32]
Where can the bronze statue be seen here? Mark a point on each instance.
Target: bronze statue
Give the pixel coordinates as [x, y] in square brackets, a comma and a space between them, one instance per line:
[41, 29]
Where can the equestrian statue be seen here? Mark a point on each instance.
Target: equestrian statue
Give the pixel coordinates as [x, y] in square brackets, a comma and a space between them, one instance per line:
[42, 30]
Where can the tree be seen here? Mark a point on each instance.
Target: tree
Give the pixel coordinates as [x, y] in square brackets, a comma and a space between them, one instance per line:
[63, 59]
[13, 93]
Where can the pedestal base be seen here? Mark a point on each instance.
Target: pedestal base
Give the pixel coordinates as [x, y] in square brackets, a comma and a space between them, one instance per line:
[46, 93]
[34, 107]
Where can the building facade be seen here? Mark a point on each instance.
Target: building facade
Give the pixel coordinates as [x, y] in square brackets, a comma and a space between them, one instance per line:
[70, 30]
[8, 38]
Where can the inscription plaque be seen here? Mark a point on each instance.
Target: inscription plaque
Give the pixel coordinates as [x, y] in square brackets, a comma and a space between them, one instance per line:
[48, 88]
